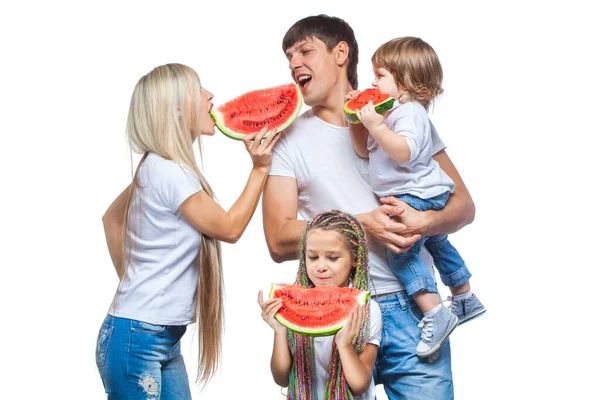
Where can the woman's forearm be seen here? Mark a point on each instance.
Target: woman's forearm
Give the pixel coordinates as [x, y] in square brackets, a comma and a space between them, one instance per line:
[113, 220]
[242, 210]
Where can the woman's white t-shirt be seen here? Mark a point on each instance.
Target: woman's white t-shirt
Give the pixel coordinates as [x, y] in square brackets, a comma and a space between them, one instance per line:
[323, 353]
[162, 274]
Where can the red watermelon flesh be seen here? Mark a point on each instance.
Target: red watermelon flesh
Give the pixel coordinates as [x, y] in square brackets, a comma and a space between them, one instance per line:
[275, 108]
[318, 311]
[382, 102]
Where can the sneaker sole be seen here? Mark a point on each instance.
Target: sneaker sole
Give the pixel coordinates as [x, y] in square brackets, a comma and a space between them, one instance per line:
[472, 316]
[435, 348]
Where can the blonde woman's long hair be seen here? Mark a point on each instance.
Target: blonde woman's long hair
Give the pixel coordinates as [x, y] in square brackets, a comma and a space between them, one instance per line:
[162, 116]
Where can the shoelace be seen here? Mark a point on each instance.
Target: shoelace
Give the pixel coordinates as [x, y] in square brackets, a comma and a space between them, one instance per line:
[427, 325]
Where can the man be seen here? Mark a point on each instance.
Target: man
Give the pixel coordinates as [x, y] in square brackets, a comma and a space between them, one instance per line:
[315, 169]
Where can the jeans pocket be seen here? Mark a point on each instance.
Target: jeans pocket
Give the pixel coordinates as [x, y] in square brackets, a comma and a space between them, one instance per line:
[415, 312]
[102, 343]
[146, 327]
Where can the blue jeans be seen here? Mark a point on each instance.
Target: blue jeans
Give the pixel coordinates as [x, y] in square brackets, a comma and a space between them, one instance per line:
[410, 269]
[138, 360]
[398, 367]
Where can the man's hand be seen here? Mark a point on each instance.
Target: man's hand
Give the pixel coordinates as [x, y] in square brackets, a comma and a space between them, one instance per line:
[415, 222]
[391, 232]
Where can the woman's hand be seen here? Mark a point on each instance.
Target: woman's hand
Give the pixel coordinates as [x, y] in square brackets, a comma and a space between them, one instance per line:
[260, 149]
[353, 324]
[269, 308]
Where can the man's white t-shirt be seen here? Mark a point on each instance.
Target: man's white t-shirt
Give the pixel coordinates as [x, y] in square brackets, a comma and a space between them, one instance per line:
[323, 346]
[330, 175]
[162, 274]
[422, 176]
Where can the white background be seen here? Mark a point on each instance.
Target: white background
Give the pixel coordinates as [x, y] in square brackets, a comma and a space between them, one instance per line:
[521, 89]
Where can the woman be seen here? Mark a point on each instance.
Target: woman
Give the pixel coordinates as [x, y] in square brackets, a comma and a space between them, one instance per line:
[163, 233]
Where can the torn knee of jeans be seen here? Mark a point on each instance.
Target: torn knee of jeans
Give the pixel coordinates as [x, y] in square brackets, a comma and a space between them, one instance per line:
[149, 385]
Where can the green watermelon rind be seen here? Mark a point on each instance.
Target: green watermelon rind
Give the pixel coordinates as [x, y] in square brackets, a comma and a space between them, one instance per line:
[380, 108]
[217, 116]
[329, 330]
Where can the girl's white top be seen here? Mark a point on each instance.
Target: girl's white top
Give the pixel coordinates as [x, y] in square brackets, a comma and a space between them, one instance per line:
[162, 274]
[323, 346]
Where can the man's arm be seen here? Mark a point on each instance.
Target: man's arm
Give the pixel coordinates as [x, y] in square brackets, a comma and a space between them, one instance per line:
[459, 211]
[282, 228]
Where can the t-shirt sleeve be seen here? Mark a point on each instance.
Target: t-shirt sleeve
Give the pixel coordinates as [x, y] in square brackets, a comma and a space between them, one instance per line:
[413, 131]
[177, 183]
[436, 143]
[376, 323]
[282, 160]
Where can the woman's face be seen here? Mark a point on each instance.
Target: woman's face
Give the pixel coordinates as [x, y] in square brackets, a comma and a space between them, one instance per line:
[206, 123]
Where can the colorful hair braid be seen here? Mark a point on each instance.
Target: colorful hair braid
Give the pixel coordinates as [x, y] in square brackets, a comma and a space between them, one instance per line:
[303, 372]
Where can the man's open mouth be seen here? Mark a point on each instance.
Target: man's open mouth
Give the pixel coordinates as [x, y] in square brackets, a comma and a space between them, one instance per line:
[303, 79]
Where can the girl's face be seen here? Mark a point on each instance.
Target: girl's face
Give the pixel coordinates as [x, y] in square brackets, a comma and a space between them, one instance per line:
[384, 82]
[328, 261]
[206, 123]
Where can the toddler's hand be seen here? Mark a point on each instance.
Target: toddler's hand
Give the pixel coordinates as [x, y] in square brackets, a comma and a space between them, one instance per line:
[351, 327]
[369, 117]
[269, 308]
[351, 95]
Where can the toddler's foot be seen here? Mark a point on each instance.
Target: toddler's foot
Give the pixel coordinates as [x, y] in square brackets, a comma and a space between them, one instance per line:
[436, 329]
[467, 308]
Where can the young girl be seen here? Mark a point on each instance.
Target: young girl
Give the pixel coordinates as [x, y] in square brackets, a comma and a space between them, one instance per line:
[163, 236]
[400, 150]
[333, 252]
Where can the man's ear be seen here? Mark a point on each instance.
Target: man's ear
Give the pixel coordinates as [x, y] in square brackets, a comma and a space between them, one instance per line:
[341, 53]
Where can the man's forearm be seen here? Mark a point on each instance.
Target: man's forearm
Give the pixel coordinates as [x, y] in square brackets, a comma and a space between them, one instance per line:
[460, 209]
[284, 243]
[459, 212]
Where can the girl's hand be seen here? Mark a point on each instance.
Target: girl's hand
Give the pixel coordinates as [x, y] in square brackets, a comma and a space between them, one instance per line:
[351, 327]
[260, 149]
[369, 117]
[269, 308]
[351, 95]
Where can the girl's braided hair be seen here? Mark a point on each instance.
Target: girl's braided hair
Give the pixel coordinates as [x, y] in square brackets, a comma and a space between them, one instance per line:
[303, 372]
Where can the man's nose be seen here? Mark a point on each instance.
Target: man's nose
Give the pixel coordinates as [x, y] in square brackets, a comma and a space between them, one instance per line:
[295, 62]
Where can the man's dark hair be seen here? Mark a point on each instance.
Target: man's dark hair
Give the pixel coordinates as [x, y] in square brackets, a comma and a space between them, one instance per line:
[331, 31]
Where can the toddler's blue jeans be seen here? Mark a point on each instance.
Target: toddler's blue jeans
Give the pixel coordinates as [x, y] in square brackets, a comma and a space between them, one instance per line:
[410, 269]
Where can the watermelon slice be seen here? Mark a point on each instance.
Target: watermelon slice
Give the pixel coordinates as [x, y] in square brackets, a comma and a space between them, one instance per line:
[276, 108]
[318, 311]
[382, 102]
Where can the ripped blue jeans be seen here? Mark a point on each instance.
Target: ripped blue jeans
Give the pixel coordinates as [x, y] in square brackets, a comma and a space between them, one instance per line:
[138, 360]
